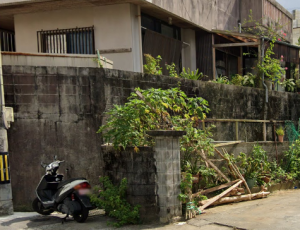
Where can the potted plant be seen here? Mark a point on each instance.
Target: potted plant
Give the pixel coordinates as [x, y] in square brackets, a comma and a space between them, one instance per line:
[254, 166]
[280, 134]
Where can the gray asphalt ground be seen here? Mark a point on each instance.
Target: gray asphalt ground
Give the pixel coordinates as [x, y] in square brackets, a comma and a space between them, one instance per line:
[281, 210]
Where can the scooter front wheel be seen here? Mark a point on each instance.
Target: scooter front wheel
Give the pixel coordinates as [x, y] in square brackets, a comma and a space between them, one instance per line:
[82, 216]
[39, 208]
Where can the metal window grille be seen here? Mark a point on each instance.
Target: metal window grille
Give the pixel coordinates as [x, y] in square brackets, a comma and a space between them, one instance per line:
[7, 41]
[67, 41]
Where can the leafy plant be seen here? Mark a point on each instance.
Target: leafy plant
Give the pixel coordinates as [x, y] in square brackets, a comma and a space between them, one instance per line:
[249, 80]
[271, 67]
[192, 145]
[169, 109]
[113, 200]
[280, 131]
[292, 160]
[185, 196]
[222, 80]
[298, 83]
[289, 84]
[172, 70]
[192, 75]
[152, 65]
[237, 80]
[255, 164]
[186, 187]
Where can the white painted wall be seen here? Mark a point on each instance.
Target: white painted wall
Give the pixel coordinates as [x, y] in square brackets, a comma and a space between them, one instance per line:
[115, 28]
[189, 52]
[38, 59]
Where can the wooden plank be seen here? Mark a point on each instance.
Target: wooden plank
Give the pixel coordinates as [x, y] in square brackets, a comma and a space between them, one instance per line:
[237, 131]
[237, 44]
[243, 120]
[219, 187]
[265, 131]
[229, 143]
[211, 201]
[110, 51]
[213, 166]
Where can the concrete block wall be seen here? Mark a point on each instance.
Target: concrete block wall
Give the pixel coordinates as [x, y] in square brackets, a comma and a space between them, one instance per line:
[59, 110]
[140, 171]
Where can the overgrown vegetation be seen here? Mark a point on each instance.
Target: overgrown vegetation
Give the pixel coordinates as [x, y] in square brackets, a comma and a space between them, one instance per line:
[113, 200]
[151, 109]
[152, 65]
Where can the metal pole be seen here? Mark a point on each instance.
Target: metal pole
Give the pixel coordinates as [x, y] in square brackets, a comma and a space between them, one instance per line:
[6, 205]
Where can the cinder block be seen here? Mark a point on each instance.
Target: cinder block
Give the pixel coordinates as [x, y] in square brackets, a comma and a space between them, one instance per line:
[47, 89]
[51, 70]
[46, 80]
[8, 79]
[6, 69]
[41, 70]
[25, 89]
[25, 99]
[24, 79]
[48, 99]
[67, 71]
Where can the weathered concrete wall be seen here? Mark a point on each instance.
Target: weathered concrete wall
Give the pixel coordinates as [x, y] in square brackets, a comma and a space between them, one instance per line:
[269, 147]
[116, 27]
[59, 110]
[38, 59]
[296, 26]
[221, 14]
[140, 171]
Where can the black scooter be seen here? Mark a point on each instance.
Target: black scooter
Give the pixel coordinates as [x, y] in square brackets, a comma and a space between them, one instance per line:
[69, 197]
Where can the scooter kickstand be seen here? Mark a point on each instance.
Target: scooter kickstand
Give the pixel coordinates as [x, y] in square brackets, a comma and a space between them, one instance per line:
[64, 219]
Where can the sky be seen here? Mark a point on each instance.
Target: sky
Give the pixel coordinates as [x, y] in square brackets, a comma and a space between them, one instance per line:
[290, 5]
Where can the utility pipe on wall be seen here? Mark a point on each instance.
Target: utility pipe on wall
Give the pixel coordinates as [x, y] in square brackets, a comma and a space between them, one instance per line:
[262, 63]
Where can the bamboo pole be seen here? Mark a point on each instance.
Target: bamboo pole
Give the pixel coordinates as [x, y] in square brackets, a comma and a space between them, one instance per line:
[226, 200]
[213, 166]
[210, 190]
[214, 199]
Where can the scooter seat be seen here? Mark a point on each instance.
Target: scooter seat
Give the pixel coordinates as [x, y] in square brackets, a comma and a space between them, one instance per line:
[63, 183]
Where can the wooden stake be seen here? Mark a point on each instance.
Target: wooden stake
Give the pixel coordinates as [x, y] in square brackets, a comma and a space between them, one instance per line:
[212, 200]
[234, 168]
[213, 166]
[210, 190]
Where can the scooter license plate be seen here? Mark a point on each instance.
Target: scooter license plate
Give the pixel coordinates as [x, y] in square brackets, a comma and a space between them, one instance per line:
[83, 192]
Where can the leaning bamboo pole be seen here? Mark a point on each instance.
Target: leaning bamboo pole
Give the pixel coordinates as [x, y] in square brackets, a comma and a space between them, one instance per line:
[232, 199]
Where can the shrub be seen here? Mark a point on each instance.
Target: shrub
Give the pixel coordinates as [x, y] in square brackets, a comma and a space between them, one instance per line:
[113, 200]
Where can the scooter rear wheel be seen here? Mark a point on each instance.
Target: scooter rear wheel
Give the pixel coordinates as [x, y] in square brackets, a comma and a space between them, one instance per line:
[39, 208]
[82, 216]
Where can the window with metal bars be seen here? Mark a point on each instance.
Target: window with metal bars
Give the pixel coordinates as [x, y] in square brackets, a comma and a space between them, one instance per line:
[7, 41]
[67, 41]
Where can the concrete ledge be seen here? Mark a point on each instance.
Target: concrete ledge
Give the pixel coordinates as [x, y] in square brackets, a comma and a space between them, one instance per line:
[166, 133]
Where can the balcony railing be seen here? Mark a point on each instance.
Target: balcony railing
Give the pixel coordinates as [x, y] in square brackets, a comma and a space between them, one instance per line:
[67, 41]
[7, 41]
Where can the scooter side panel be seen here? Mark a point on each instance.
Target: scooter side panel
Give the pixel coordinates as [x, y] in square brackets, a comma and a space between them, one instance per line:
[63, 192]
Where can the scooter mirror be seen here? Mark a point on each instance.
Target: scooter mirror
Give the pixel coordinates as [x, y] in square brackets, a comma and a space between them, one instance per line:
[55, 157]
[43, 165]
